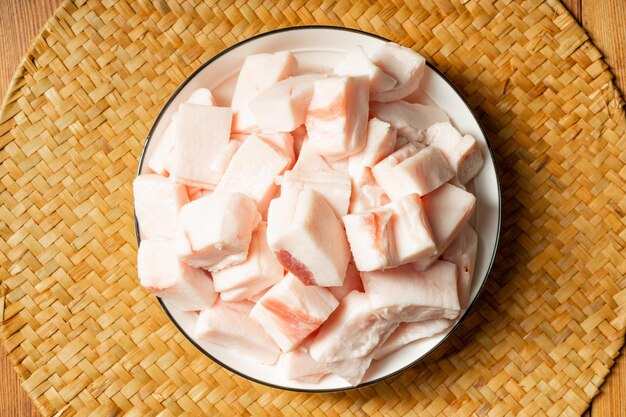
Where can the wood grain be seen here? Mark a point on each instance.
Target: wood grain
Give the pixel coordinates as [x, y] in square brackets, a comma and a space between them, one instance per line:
[575, 7]
[20, 21]
[13, 399]
[611, 402]
[605, 20]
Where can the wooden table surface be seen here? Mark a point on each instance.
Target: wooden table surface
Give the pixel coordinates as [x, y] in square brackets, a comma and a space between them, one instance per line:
[605, 20]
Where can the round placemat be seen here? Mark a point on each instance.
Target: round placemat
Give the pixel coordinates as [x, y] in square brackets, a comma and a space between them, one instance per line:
[88, 340]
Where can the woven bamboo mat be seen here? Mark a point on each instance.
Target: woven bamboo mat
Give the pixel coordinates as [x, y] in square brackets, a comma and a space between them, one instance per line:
[87, 340]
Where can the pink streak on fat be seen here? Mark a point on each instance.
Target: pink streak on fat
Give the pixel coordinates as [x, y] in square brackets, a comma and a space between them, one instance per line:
[334, 110]
[294, 323]
[295, 267]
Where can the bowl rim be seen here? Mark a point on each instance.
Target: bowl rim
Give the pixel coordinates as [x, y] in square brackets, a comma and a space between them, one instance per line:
[491, 261]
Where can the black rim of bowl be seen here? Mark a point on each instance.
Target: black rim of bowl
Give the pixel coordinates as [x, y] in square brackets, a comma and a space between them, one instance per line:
[469, 308]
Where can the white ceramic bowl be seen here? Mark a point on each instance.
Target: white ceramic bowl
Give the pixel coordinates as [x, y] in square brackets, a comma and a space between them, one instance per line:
[315, 47]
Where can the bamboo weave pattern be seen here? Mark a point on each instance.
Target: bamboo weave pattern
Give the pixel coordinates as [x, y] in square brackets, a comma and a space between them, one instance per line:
[88, 341]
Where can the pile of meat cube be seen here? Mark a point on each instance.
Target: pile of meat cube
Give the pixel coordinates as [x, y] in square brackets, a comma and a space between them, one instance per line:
[318, 223]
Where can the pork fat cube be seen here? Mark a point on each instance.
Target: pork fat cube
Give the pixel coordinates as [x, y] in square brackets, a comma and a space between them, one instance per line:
[399, 155]
[391, 235]
[366, 193]
[336, 120]
[202, 96]
[410, 332]
[351, 282]
[223, 157]
[307, 238]
[424, 262]
[157, 203]
[383, 170]
[462, 253]
[357, 63]
[446, 228]
[298, 365]
[201, 133]
[218, 166]
[403, 294]
[409, 119]
[370, 235]
[160, 271]
[412, 234]
[257, 73]
[404, 65]
[381, 141]
[310, 161]
[260, 270]
[422, 172]
[337, 163]
[282, 142]
[161, 160]
[461, 151]
[353, 330]
[252, 170]
[448, 209]
[352, 370]
[215, 231]
[290, 311]
[333, 185]
[348, 340]
[282, 106]
[230, 325]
